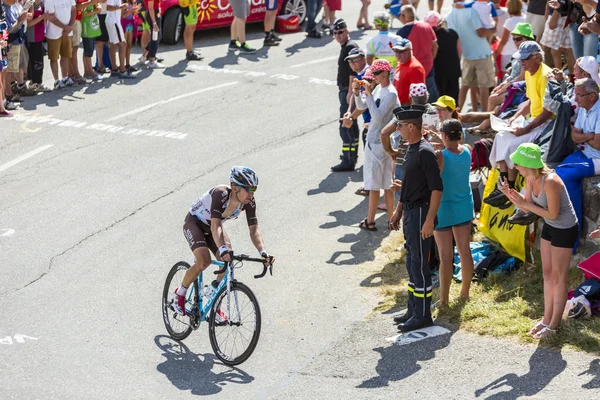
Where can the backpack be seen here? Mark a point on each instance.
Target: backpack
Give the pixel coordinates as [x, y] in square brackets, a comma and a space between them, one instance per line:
[489, 263]
[480, 156]
[560, 143]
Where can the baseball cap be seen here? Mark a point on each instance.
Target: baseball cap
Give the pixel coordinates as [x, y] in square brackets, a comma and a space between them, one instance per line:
[590, 65]
[433, 18]
[446, 102]
[417, 90]
[414, 111]
[526, 48]
[402, 44]
[381, 65]
[339, 24]
[523, 29]
[354, 53]
[368, 76]
[528, 155]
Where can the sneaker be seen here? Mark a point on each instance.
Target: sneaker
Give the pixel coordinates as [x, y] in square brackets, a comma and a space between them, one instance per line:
[41, 88]
[59, 84]
[131, 69]
[142, 60]
[270, 41]
[221, 318]
[178, 303]
[68, 81]
[81, 81]
[5, 113]
[315, 34]
[496, 198]
[25, 90]
[154, 65]
[193, 56]
[158, 59]
[276, 37]
[115, 73]
[244, 48]
[126, 75]
[15, 98]
[10, 106]
[234, 46]
[94, 78]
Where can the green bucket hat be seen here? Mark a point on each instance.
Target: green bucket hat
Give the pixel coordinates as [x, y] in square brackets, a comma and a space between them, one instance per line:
[524, 29]
[528, 155]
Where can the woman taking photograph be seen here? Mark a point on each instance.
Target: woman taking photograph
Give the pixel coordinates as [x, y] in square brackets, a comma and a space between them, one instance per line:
[546, 196]
[456, 210]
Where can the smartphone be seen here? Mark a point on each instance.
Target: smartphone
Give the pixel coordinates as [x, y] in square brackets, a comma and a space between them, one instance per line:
[500, 181]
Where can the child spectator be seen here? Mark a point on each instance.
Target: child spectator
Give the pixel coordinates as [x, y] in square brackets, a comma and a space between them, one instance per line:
[90, 30]
[117, 38]
[76, 40]
[3, 64]
[59, 30]
[35, 47]
[127, 19]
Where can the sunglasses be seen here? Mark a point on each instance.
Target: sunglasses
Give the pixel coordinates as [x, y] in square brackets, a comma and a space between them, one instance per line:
[357, 59]
[249, 189]
[518, 38]
[339, 32]
[582, 95]
[377, 73]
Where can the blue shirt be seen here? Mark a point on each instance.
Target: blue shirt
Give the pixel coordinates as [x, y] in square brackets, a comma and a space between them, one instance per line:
[456, 206]
[465, 22]
[589, 122]
[11, 14]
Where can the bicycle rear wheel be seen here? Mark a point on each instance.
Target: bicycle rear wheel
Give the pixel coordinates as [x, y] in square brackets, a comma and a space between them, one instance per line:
[234, 325]
[178, 326]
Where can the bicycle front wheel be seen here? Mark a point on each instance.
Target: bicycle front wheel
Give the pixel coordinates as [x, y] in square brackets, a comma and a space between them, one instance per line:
[178, 326]
[234, 324]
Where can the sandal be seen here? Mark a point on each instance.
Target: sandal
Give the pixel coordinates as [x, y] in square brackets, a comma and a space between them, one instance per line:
[382, 207]
[362, 192]
[369, 226]
[544, 333]
[538, 327]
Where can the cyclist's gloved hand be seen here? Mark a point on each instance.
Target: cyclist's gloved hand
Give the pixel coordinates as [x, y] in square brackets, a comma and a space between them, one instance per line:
[269, 259]
[225, 253]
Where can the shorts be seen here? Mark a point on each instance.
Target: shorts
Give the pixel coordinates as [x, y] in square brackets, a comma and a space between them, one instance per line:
[103, 32]
[241, 8]
[76, 38]
[198, 234]
[378, 168]
[60, 48]
[89, 45]
[190, 15]
[115, 32]
[271, 5]
[558, 38]
[479, 73]
[147, 22]
[3, 64]
[14, 58]
[447, 228]
[334, 5]
[563, 238]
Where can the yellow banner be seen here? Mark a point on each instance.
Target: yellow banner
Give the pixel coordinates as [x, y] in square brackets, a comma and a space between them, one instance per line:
[493, 222]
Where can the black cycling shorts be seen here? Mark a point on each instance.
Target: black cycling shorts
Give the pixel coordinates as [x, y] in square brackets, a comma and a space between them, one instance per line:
[563, 238]
[198, 234]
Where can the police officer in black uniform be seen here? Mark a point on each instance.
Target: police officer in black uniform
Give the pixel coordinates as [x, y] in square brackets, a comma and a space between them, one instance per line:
[344, 81]
[419, 202]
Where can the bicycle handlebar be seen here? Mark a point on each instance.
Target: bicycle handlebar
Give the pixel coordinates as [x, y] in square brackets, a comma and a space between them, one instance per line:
[246, 257]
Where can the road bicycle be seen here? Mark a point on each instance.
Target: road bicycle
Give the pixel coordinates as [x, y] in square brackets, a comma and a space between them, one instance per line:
[232, 310]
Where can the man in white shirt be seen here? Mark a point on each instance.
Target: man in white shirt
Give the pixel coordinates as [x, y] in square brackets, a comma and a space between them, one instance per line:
[116, 37]
[59, 29]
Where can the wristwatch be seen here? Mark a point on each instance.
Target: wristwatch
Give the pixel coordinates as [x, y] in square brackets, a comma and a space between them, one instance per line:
[350, 118]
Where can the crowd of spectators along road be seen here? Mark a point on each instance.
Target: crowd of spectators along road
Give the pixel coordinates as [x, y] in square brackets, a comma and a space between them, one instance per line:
[405, 85]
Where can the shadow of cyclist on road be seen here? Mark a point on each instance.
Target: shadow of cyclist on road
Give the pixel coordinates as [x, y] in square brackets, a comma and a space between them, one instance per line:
[195, 372]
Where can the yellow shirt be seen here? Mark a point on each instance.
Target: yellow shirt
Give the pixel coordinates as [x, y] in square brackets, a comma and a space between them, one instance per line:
[536, 88]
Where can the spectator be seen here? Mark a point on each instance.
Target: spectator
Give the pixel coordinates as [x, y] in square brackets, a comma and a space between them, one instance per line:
[421, 194]
[505, 143]
[151, 23]
[271, 39]
[456, 211]
[363, 17]
[380, 45]
[502, 16]
[446, 109]
[478, 62]
[546, 196]
[345, 76]
[583, 163]
[103, 39]
[59, 32]
[378, 166]
[35, 47]
[556, 37]
[536, 17]
[584, 44]
[75, 41]
[116, 38]
[425, 45]
[313, 7]
[507, 47]
[409, 68]
[447, 60]
[329, 9]
[15, 17]
[128, 25]
[190, 15]
[3, 45]
[90, 30]
[241, 10]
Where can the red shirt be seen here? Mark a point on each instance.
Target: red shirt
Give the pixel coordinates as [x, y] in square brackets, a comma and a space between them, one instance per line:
[79, 13]
[405, 74]
[422, 36]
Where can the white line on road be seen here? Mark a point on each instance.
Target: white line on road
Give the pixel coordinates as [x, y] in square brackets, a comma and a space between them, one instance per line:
[7, 232]
[24, 157]
[183, 96]
[320, 60]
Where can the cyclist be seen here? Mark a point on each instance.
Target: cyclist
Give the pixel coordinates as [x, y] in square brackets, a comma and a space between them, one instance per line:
[203, 227]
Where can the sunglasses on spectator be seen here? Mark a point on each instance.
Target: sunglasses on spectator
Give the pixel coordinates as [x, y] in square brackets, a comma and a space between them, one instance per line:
[377, 72]
[339, 32]
[518, 38]
[582, 95]
[357, 59]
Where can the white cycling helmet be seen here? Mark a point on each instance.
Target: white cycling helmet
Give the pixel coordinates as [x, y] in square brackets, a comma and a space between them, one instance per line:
[243, 176]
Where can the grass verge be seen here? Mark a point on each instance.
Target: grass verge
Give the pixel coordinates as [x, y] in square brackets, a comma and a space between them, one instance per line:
[501, 306]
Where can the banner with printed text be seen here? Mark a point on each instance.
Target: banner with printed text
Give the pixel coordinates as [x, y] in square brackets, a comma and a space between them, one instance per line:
[493, 221]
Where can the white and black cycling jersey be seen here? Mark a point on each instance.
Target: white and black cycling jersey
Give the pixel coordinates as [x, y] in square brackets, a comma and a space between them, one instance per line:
[213, 204]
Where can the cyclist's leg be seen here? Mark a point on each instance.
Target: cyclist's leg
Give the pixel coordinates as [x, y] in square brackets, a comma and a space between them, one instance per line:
[214, 248]
[200, 242]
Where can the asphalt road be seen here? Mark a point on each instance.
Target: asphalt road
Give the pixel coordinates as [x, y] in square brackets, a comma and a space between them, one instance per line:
[94, 185]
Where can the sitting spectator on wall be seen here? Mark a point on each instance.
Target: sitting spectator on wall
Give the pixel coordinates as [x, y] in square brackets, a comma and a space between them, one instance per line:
[583, 163]
[505, 143]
